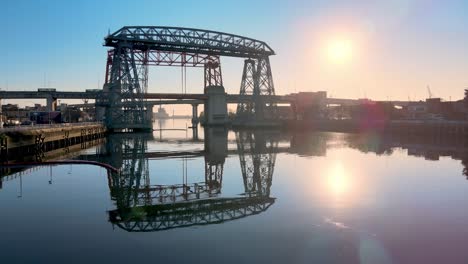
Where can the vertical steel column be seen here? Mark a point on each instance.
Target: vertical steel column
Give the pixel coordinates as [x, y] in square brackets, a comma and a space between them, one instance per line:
[126, 88]
[195, 121]
[257, 81]
[213, 76]
[245, 110]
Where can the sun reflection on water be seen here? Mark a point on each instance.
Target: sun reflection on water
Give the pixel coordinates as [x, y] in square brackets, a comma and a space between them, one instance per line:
[339, 180]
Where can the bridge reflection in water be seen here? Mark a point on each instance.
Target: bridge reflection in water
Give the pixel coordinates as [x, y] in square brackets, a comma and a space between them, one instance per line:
[145, 207]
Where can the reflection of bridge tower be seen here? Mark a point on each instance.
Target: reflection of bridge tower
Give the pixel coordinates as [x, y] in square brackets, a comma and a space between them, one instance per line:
[128, 154]
[131, 187]
[257, 155]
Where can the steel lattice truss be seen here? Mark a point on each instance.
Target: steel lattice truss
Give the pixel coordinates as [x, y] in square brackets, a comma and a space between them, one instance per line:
[213, 75]
[257, 156]
[133, 172]
[142, 207]
[135, 48]
[125, 91]
[257, 81]
[214, 174]
[161, 194]
[202, 212]
[164, 58]
[189, 40]
[131, 187]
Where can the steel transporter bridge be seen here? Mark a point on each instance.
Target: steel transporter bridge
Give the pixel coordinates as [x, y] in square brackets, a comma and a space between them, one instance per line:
[135, 48]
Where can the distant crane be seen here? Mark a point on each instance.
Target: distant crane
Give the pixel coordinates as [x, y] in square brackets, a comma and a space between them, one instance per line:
[429, 92]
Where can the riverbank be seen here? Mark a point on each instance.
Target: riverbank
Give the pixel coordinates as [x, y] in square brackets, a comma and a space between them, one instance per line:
[414, 127]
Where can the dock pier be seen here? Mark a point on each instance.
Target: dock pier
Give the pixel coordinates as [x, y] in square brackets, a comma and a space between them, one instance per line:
[19, 142]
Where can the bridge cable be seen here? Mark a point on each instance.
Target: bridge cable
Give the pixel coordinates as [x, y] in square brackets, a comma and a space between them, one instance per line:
[182, 78]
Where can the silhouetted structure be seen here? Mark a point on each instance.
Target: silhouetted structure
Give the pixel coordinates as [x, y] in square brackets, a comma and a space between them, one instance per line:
[135, 48]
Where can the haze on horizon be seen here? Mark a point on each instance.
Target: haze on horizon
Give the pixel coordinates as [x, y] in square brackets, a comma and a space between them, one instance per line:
[375, 49]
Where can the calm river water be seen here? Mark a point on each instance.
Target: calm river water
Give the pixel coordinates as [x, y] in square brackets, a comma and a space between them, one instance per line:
[245, 197]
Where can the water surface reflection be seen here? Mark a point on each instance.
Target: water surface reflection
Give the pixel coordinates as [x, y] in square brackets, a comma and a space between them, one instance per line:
[143, 206]
[252, 196]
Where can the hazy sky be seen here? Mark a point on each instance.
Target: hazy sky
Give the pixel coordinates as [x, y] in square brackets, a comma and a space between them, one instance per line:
[394, 49]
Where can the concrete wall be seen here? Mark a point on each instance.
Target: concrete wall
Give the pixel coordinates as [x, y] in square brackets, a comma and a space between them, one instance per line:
[215, 106]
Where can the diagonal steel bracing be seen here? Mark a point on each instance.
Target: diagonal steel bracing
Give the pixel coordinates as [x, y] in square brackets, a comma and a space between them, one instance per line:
[126, 88]
[257, 156]
[134, 48]
[257, 81]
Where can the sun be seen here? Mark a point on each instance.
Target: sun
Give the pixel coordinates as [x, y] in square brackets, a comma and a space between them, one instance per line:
[340, 51]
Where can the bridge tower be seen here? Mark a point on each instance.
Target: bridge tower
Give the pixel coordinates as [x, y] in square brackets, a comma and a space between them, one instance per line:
[257, 81]
[124, 91]
[213, 76]
[215, 105]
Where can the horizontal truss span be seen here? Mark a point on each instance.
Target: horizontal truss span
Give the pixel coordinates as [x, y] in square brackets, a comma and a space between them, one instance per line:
[179, 39]
[203, 212]
[169, 58]
[160, 194]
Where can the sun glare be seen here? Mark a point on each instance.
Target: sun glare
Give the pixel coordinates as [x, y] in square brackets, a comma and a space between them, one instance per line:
[338, 180]
[340, 51]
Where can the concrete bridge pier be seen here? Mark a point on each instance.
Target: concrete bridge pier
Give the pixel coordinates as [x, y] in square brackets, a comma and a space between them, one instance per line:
[51, 103]
[216, 144]
[215, 106]
[100, 103]
[195, 121]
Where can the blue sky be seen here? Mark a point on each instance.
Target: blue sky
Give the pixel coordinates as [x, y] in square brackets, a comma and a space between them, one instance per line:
[399, 47]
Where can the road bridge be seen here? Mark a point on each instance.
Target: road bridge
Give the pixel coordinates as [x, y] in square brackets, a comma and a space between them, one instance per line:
[176, 98]
[230, 98]
[152, 99]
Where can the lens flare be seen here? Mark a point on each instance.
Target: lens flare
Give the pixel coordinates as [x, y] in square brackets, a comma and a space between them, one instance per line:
[340, 51]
